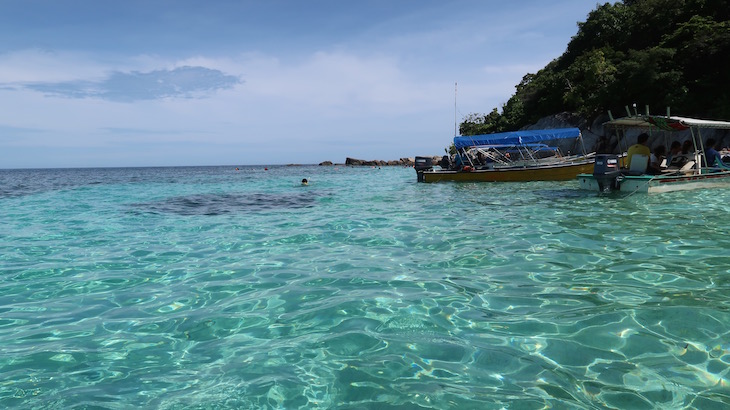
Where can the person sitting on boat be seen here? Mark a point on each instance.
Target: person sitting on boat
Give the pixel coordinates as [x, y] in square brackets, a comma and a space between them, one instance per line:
[445, 162]
[683, 157]
[640, 148]
[481, 160]
[458, 161]
[655, 160]
[686, 147]
[713, 157]
[674, 154]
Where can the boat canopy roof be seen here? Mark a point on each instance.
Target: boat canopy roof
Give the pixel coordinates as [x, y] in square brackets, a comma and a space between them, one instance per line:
[513, 138]
[665, 123]
[501, 146]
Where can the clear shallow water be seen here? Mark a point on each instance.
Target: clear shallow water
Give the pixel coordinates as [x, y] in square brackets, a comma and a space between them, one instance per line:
[214, 288]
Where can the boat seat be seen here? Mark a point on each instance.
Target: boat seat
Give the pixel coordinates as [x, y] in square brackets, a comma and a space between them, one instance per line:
[687, 167]
[638, 164]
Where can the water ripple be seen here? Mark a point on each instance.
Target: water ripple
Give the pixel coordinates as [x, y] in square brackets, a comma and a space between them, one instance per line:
[216, 288]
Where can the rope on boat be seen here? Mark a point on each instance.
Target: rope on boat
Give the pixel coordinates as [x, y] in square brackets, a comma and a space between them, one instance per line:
[641, 186]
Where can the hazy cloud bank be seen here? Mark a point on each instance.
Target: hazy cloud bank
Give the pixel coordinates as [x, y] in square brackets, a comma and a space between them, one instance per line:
[181, 82]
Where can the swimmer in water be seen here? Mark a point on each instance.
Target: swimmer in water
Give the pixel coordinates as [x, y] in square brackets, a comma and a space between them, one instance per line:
[305, 182]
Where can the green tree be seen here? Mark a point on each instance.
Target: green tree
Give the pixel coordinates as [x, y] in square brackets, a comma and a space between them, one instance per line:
[605, 27]
[703, 51]
[657, 52]
[591, 79]
[477, 124]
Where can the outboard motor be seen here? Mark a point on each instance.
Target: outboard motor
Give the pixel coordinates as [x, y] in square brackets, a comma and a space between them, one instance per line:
[606, 171]
[422, 164]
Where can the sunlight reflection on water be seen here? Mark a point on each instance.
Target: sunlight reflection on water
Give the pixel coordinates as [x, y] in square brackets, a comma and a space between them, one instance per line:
[207, 287]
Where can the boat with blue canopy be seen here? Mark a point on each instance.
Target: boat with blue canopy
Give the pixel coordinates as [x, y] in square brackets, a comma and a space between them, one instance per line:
[526, 155]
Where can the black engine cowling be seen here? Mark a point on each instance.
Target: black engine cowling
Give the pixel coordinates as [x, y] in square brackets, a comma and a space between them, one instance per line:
[422, 164]
[607, 172]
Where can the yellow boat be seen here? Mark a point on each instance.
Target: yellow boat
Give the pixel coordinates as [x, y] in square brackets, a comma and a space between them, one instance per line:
[515, 156]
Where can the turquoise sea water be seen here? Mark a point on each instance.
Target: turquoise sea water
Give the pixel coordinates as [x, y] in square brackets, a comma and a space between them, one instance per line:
[211, 288]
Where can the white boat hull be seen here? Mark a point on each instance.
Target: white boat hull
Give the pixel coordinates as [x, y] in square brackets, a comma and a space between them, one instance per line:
[648, 184]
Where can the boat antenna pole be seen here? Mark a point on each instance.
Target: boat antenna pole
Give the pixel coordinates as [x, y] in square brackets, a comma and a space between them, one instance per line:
[582, 145]
[455, 126]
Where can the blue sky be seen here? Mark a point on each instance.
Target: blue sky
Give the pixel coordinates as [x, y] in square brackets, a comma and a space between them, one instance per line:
[181, 82]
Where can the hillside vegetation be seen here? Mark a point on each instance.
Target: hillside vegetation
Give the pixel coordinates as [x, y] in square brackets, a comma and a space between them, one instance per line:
[659, 53]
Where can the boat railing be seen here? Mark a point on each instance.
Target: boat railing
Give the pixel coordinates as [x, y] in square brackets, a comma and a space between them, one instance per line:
[520, 155]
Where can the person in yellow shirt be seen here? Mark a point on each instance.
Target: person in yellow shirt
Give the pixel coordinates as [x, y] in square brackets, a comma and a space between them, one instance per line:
[640, 148]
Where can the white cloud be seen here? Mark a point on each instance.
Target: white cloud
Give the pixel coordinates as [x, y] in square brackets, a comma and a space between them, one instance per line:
[181, 82]
[323, 79]
[33, 65]
[336, 80]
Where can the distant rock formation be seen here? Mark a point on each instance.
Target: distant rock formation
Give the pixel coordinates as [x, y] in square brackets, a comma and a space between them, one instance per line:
[380, 162]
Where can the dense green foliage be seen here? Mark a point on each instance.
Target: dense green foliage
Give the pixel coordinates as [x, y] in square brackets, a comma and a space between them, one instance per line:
[661, 53]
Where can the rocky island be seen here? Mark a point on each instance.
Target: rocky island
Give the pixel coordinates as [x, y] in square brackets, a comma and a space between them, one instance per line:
[405, 162]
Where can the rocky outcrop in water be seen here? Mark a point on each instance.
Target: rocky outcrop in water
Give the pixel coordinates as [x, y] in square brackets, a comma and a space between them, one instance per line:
[406, 162]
